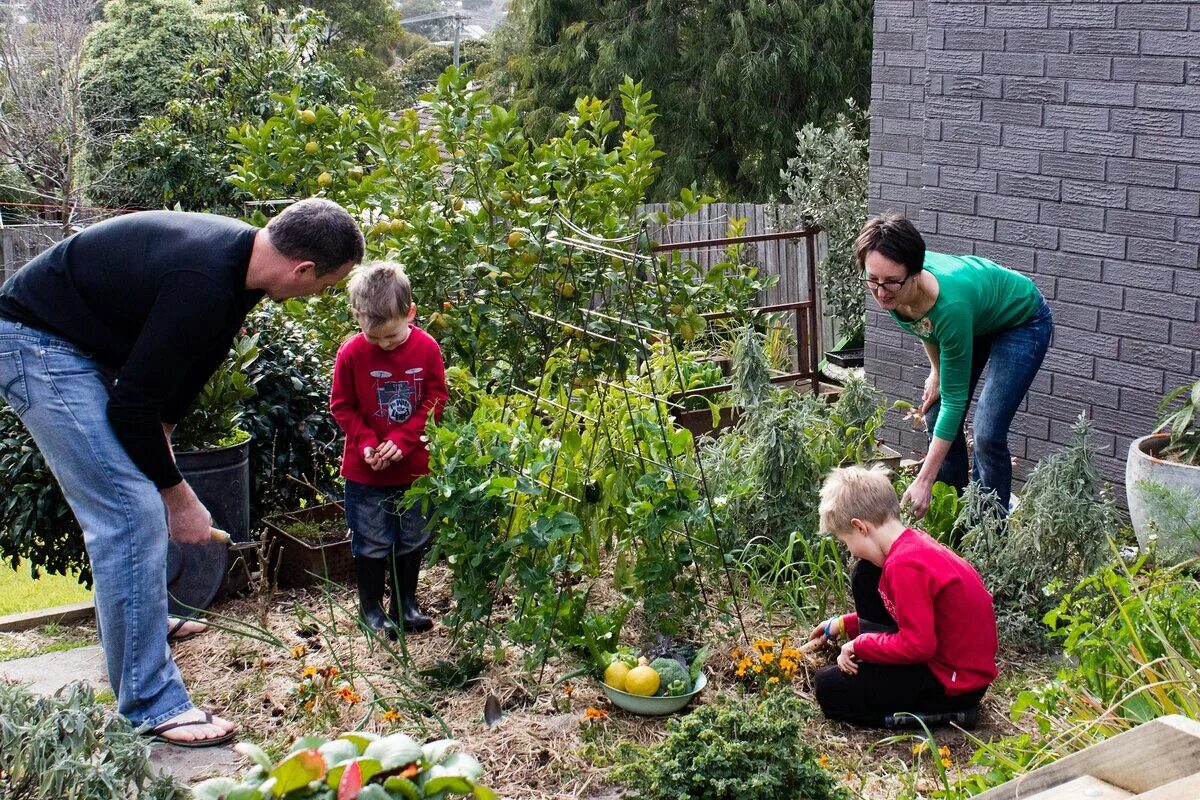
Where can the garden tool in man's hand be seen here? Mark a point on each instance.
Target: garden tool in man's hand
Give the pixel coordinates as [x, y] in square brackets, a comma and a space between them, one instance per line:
[218, 535]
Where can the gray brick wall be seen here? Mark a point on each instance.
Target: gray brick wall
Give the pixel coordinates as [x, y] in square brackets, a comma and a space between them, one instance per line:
[1060, 139]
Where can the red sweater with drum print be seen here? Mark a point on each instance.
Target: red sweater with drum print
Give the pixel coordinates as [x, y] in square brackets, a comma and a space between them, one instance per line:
[380, 395]
[943, 612]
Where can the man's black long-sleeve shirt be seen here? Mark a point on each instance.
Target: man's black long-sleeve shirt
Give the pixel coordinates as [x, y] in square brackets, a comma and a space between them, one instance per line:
[157, 296]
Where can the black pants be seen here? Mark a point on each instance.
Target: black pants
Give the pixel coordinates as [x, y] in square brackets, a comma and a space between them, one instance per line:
[880, 690]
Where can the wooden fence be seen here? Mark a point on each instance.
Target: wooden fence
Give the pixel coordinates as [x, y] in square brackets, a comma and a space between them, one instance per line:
[786, 258]
[20, 243]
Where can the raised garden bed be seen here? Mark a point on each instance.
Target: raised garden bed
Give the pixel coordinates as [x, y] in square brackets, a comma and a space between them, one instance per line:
[305, 546]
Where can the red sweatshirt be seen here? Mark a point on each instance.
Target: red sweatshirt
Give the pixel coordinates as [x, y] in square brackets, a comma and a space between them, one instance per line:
[944, 614]
[387, 395]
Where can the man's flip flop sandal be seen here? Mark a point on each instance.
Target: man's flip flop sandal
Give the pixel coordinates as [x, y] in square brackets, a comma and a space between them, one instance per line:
[157, 733]
[173, 634]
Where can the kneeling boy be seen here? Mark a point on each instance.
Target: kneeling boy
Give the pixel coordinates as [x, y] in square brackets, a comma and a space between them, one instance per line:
[922, 639]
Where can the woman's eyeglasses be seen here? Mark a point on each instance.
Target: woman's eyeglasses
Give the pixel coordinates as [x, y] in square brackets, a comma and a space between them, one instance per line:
[889, 286]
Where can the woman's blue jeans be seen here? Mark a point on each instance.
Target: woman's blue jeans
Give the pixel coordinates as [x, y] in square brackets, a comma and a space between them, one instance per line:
[1012, 357]
[61, 395]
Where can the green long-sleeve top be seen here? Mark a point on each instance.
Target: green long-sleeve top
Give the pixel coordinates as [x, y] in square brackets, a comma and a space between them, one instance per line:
[976, 297]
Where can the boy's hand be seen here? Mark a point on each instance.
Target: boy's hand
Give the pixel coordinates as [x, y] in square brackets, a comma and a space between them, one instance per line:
[845, 660]
[833, 626]
[387, 452]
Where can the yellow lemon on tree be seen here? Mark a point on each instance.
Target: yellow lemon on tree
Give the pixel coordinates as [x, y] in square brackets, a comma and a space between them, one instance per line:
[310, 147]
[515, 238]
[324, 179]
[398, 226]
[308, 115]
[567, 290]
[642, 681]
[615, 675]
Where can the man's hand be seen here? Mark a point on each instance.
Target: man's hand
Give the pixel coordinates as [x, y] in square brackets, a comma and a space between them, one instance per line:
[845, 660]
[188, 521]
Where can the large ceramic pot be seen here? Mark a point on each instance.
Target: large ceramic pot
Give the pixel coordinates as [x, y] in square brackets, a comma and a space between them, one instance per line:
[1143, 470]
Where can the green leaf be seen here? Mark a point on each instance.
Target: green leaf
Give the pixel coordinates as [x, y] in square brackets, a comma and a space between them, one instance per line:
[393, 752]
[374, 791]
[404, 786]
[435, 751]
[338, 751]
[360, 739]
[214, 788]
[438, 781]
[254, 753]
[297, 770]
[368, 766]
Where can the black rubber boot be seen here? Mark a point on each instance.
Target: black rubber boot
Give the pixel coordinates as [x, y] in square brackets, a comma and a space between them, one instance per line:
[966, 720]
[369, 574]
[404, 610]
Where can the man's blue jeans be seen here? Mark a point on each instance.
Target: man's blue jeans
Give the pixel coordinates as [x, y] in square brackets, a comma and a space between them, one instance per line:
[61, 395]
[1013, 357]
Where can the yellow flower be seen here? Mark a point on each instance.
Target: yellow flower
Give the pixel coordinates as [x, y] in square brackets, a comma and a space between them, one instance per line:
[735, 654]
[947, 763]
[308, 672]
[762, 645]
[758, 668]
[568, 688]
[298, 651]
[792, 653]
[944, 751]
[773, 679]
[391, 715]
[768, 657]
[741, 672]
[920, 747]
[308, 705]
[745, 664]
[787, 665]
[823, 761]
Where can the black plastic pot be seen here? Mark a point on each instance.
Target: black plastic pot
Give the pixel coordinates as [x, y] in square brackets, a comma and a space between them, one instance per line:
[847, 358]
[220, 477]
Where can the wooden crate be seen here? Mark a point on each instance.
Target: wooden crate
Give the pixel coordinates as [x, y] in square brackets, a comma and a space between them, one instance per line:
[1158, 760]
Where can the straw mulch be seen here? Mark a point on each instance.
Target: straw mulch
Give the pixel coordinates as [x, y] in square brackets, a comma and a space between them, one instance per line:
[542, 749]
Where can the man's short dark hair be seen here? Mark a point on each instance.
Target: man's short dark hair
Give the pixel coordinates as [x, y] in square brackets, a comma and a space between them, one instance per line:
[891, 234]
[320, 231]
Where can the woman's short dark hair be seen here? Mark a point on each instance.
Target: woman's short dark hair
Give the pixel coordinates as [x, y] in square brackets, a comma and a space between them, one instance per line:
[320, 231]
[892, 235]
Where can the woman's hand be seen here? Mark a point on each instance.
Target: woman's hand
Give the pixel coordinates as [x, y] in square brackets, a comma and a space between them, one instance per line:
[916, 498]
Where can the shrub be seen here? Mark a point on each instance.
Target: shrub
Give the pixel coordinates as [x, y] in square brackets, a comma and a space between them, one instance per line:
[748, 750]
[70, 747]
[1058, 535]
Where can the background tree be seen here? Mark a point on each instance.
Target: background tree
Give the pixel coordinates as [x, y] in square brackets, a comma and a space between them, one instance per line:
[183, 156]
[43, 132]
[734, 79]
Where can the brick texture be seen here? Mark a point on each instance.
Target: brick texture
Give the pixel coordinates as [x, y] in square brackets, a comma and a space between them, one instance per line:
[1059, 139]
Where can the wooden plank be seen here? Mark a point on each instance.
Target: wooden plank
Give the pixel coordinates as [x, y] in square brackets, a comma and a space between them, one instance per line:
[1084, 788]
[75, 612]
[1183, 789]
[1153, 754]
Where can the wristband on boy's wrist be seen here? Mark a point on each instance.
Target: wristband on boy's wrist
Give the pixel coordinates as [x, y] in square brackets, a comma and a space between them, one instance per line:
[828, 630]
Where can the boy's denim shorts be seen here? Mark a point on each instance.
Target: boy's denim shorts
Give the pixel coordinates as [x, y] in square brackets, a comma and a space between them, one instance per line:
[379, 525]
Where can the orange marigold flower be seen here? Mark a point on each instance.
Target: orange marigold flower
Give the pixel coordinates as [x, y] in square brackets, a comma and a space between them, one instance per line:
[758, 668]
[410, 771]
[391, 715]
[308, 672]
[823, 761]
[593, 713]
[920, 747]
[298, 651]
[762, 645]
[308, 705]
[947, 763]
[568, 688]
[331, 672]
[773, 679]
[787, 665]
[792, 653]
[768, 657]
[944, 751]
[736, 654]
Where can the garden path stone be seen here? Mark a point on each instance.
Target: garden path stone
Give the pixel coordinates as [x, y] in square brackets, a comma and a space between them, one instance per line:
[47, 673]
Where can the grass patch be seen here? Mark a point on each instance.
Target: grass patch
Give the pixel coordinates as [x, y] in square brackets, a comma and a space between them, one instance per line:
[20, 593]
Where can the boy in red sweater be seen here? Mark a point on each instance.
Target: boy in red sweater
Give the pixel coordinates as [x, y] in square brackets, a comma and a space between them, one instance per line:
[387, 382]
[922, 639]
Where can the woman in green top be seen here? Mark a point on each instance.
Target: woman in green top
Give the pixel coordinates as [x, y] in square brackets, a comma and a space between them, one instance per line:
[968, 312]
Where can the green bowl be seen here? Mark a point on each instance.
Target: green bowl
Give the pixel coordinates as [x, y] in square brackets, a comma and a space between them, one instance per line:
[654, 706]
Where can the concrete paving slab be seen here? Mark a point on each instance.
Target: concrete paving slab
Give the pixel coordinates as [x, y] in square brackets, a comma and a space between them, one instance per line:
[191, 765]
[47, 673]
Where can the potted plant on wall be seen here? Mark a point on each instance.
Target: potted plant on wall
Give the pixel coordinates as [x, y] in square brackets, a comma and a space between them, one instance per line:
[1162, 475]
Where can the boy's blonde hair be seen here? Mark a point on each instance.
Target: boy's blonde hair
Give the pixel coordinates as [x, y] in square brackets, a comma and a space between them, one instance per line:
[379, 292]
[864, 493]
